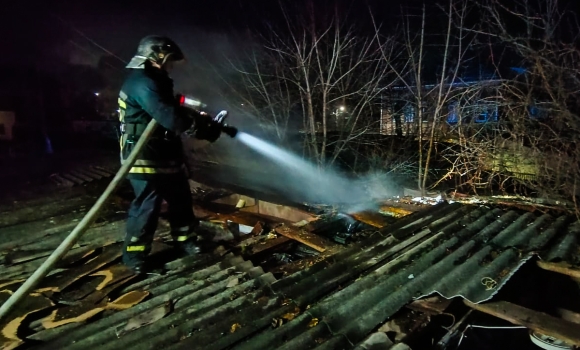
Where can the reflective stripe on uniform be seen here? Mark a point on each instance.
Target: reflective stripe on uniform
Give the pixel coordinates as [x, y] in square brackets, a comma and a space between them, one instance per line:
[180, 234]
[156, 163]
[136, 248]
[149, 170]
[122, 140]
[122, 108]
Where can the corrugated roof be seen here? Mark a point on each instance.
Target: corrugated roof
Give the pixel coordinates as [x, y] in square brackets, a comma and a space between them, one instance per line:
[450, 249]
[193, 295]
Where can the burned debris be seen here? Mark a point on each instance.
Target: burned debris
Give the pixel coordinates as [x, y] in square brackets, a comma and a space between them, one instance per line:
[341, 228]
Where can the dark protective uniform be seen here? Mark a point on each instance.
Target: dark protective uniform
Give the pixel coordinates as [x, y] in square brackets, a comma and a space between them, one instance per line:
[159, 171]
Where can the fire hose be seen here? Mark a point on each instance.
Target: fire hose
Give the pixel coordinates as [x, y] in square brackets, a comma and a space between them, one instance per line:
[87, 220]
[82, 226]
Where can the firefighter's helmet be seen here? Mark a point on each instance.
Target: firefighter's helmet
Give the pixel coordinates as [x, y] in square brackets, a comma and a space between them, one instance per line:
[158, 49]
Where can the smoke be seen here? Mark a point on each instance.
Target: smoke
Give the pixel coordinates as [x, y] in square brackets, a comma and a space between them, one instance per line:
[266, 167]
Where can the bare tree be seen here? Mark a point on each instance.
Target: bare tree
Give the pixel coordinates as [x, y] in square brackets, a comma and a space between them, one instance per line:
[327, 77]
[430, 94]
[475, 108]
[533, 145]
[323, 73]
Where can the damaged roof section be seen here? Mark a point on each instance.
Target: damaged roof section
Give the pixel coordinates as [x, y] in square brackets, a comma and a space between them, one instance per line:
[482, 247]
[449, 249]
[219, 302]
[89, 285]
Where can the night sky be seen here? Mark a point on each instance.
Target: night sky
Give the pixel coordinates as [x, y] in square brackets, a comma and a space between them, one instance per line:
[30, 29]
[209, 31]
[48, 34]
[118, 25]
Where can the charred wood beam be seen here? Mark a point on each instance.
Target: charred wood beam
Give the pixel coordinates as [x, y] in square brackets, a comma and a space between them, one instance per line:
[566, 331]
[561, 267]
[261, 247]
[304, 237]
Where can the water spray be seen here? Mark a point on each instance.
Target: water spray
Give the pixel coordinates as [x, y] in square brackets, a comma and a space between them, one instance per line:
[278, 155]
[298, 176]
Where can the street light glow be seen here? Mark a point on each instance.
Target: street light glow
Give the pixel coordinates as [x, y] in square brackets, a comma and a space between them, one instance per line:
[96, 94]
[341, 108]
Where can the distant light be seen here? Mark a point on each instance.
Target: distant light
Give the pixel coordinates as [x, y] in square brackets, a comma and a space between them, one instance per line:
[118, 111]
[242, 104]
[96, 94]
[341, 108]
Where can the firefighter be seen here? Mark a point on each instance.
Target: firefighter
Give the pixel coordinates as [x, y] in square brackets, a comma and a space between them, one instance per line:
[158, 174]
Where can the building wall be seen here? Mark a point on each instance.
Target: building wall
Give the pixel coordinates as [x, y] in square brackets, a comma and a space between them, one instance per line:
[399, 111]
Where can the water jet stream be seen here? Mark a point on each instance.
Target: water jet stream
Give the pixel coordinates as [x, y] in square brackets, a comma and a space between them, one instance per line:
[315, 184]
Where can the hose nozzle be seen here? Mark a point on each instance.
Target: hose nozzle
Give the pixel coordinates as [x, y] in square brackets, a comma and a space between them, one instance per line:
[231, 131]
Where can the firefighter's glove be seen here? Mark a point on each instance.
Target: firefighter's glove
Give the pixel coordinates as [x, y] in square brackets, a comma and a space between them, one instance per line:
[207, 129]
